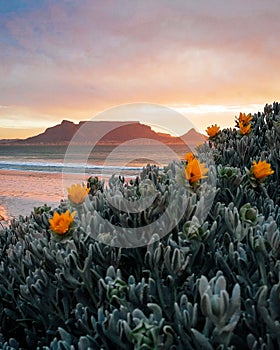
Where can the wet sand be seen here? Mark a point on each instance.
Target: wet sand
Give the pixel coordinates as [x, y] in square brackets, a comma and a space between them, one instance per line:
[21, 191]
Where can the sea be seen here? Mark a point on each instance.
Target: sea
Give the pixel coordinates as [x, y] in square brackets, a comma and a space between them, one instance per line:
[31, 176]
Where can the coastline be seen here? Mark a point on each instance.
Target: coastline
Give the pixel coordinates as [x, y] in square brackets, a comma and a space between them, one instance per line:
[21, 191]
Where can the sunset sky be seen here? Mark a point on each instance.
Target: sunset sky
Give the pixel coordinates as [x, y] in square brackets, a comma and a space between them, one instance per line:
[67, 59]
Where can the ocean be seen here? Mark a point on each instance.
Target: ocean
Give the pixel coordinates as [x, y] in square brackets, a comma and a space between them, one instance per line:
[108, 158]
[31, 176]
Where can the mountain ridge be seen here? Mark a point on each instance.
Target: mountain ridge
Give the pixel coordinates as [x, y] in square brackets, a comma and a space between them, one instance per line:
[105, 132]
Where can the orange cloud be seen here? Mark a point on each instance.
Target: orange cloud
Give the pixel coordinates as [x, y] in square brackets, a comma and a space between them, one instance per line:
[70, 60]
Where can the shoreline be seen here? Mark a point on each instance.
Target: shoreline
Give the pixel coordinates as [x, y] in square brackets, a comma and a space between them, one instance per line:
[21, 191]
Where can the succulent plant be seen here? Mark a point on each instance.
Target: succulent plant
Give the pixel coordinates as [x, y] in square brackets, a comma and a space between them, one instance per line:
[249, 214]
[205, 276]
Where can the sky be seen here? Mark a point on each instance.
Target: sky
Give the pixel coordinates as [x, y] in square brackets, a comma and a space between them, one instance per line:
[207, 60]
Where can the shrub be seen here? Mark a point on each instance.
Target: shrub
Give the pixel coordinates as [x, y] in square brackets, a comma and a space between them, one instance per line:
[210, 283]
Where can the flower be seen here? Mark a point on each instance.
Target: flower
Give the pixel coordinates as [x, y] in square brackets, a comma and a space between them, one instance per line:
[213, 130]
[244, 123]
[244, 129]
[61, 223]
[245, 119]
[77, 193]
[189, 156]
[195, 170]
[261, 170]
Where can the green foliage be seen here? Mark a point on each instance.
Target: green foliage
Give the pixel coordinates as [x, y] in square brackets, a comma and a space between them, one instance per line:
[211, 283]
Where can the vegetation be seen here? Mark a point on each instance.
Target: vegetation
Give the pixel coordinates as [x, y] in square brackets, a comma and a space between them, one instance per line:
[204, 277]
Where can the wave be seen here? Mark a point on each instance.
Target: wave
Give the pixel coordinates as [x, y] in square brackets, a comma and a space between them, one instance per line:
[58, 167]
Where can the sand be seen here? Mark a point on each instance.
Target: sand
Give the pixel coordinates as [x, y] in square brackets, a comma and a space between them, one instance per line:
[21, 191]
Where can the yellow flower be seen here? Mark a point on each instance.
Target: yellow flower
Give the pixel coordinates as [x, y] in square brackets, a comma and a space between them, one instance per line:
[261, 169]
[189, 156]
[244, 129]
[77, 193]
[244, 119]
[213, 130]
[60, 223]
[195, 170]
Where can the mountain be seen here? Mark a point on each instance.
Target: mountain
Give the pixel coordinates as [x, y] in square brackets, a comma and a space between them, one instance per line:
[97, 131]
[106, 132]
[61, 133]
[193, 138]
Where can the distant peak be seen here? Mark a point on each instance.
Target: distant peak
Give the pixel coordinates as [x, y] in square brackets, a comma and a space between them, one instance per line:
[66, 122]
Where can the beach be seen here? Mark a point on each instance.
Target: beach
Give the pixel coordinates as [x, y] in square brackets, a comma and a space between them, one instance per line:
[21, 191]
[31, 176]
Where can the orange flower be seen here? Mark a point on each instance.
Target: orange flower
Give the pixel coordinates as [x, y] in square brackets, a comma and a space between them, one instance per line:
[244, 119]
[244, 129]
[213, 130]
[195, 170]
[60, 223]
[77, 193]
[261, 169]
[189, 156]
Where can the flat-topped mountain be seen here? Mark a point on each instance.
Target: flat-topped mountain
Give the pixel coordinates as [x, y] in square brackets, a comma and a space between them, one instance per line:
[106, 132]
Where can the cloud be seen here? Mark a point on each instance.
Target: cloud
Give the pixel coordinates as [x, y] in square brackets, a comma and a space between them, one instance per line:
[72, 57]
[24, 118]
